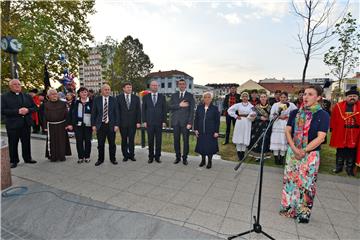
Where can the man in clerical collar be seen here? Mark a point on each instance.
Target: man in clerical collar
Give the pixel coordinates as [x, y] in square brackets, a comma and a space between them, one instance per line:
[17, 108]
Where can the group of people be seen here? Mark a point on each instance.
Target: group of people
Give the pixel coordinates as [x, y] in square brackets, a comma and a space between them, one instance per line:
[298, 131]
[105, 115]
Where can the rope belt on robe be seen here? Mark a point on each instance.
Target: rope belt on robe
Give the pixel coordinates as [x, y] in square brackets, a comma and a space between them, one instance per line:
[48, 132]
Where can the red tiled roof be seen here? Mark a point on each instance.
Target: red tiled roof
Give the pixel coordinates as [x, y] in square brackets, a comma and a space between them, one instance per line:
[167, 74]
[287, 87]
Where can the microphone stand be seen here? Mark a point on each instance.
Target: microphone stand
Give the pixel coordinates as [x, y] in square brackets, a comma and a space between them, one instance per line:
[257, 226]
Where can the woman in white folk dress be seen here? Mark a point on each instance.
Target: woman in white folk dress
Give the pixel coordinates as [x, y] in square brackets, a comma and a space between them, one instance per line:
[278, 142]
[244, 115]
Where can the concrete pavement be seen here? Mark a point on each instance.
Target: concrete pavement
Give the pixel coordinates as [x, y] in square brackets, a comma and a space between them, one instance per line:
[215, 202]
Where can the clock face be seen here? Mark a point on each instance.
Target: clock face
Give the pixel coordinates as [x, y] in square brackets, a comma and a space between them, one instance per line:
[15, 45]
[4, 44]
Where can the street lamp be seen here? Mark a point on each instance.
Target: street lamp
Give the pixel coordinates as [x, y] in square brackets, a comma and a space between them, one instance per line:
[13, 47]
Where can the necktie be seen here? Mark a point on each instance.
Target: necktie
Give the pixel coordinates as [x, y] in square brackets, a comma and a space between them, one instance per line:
[127, 101]
[181, 95]
[154, 99]
[105, 112]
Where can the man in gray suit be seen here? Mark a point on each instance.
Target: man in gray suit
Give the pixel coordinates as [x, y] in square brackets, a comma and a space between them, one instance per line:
[182, 106]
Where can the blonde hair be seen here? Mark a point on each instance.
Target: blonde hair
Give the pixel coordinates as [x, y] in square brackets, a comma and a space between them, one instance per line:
[244, 94]
[208, 93]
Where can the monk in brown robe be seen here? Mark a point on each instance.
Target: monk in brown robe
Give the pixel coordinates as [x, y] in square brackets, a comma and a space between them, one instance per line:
[55, 124]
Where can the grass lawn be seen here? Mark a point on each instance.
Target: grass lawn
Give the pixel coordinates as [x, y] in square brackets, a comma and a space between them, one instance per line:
[228, 152]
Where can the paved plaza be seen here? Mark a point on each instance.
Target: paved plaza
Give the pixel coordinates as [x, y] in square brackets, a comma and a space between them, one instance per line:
[174, 201]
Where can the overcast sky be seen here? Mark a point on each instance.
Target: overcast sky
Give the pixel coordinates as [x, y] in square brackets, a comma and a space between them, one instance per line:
[213, 41]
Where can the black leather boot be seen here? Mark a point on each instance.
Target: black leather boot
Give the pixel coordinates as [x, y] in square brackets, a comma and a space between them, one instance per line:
[350, 166]
[209, 164]
[339, 165]
[276, 160]
[202, 161]
[240, 156]
[281, 160]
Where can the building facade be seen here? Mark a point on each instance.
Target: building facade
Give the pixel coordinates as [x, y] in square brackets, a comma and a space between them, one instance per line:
[90, 74]
[168, 80]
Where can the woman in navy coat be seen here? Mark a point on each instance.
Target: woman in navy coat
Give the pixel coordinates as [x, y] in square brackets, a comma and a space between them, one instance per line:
[206, 126]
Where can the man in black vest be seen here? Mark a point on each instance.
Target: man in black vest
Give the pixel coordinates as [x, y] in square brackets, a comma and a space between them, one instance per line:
[154, 117]
[105, 121]
[17, 107]
[130, 120]
[182, 106]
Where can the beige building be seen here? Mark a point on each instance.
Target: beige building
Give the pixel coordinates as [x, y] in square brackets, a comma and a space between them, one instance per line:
[250, 85]
[90, 74]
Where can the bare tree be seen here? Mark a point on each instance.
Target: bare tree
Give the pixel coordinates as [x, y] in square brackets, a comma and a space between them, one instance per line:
[316, 27]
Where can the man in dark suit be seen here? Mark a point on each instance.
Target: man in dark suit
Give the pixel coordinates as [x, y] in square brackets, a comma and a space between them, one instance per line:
[230, 99]
[17, 107]
[105, 121]
[182, 106]
[130, 119]
[154, 117]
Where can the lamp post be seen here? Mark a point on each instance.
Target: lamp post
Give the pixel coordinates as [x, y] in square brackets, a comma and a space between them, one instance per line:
[13, 47]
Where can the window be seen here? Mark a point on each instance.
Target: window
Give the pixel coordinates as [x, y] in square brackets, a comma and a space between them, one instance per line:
[169, 85]
[189, 85]
[162, 85]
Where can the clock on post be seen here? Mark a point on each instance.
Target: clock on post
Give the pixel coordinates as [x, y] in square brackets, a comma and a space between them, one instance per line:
[13, 47]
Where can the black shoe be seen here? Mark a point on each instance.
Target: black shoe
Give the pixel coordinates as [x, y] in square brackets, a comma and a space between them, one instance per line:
[31, 161]
[185, 162]
[240, 155]
[281, 160]
[13, 165]
[125, 159]
[150, 160]
[208, 166]
[98, 163]
[337, 170]
[350, 172]
[80, 161]
[202, 162]
[277, 160]
[177, 161]
[157, 160]
[133, 159]
[303, 220]
[114, 162]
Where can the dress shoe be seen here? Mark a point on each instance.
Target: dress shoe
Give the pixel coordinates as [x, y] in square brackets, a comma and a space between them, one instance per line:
[13, 165]
[80, 161]
[202, 162]
[337, 170]
[125, 159]
[177, 161]
[157, 160]
[133, 159]
[31, 161]
[150, 160]
[114, 162]
[98, 163]
[185, 162]
[208, 166]
[87, 160]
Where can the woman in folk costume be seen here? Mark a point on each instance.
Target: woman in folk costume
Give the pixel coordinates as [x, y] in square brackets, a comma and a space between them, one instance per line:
[305, 131]
[278, 142]
[244, 115]
[261, 122]
[55, 123]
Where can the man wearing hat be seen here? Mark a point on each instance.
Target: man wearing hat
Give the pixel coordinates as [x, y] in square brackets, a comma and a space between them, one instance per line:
[345, 127]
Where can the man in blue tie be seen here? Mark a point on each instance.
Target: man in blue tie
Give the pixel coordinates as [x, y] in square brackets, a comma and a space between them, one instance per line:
[154, 118]
[130, 119]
